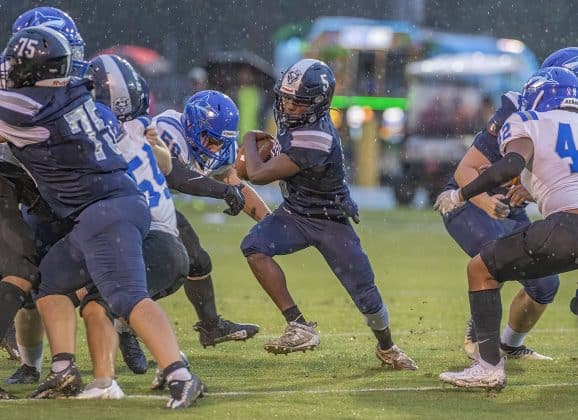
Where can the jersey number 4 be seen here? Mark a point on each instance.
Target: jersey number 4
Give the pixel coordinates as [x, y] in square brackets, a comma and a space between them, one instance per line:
[565, 146]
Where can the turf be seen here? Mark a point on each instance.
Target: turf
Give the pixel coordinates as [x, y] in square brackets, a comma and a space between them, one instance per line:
[420, 273]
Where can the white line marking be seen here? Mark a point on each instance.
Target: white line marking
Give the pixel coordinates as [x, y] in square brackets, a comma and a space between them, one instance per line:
[325, 391]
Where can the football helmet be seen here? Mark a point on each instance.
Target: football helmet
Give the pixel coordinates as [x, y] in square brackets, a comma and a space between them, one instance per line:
[566, 57]
[550, 88]
[309, 83]
[143, 108]
[36, 54]
[215, 115]
[116, 85]
[60, 21]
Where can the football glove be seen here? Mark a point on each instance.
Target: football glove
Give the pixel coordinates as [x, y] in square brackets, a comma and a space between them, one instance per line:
[235, 199]
[448, 201]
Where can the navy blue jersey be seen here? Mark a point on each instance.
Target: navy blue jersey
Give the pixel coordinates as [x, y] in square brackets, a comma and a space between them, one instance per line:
[486, 141]
[63, 141]
[319, 188]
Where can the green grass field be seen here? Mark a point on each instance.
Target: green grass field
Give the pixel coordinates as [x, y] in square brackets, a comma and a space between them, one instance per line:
[421, 274]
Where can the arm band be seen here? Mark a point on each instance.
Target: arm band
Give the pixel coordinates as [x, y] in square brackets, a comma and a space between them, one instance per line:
[188, 181]
[507, 168]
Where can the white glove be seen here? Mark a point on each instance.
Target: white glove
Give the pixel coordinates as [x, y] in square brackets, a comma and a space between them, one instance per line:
[448, 201]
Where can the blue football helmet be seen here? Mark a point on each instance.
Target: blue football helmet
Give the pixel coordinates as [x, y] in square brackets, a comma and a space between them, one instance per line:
[550, 88]
[566, 57]
[308, 82]
[60, 21]
[116, 85]
[215, 115]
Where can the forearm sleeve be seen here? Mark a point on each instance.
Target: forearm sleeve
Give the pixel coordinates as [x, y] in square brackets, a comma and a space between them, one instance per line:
[509, 167]
[188, 181]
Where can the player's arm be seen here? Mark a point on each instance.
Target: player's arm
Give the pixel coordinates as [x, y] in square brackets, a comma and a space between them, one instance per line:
[160, 150]
[254, 204]
[275, 169]
[188, 181]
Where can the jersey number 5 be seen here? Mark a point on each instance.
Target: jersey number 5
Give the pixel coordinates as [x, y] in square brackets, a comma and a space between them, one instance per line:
[565, 146]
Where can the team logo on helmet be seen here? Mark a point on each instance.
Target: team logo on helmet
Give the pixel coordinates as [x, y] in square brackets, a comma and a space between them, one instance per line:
[294, 76]
[121, 105]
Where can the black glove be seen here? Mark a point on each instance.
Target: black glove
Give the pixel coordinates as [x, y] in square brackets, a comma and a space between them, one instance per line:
[350, 209]
[234, 199]
[574, 304]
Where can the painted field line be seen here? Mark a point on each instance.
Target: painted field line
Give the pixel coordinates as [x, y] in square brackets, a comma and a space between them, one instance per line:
[319, 392]
[353, 391]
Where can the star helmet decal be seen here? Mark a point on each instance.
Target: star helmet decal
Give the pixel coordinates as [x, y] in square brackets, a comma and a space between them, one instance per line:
[205, 111]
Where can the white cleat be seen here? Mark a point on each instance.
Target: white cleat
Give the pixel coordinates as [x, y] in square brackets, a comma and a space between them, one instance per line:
[480, 375]
[297, 337]
[522, 353]
[93, 392]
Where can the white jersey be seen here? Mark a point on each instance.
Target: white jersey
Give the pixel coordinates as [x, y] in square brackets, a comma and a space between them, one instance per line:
[171, 131]
[552, 175]
[143, 166]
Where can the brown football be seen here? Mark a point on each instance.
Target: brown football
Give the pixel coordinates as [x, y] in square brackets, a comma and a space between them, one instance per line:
[264, 146]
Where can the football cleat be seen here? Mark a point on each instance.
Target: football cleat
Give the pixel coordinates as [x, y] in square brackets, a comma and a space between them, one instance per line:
[24, 375]
[9, 344]
[395, 358]
[185, 393]
[4, 395]
[297, 337]
[67, 383]
[132, 353]
[160, 381]
[480, 375]
[470, 342]
[93, 392]
[521, 353]
[224, 331]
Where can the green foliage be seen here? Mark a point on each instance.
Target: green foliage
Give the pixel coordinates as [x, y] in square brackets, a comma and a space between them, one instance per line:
[421, 275]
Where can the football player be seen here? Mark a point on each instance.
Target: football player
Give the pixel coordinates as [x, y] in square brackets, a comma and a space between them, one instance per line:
[203, 139]
[308, 162]
[53, 129]
[538, 143]
[29, 329]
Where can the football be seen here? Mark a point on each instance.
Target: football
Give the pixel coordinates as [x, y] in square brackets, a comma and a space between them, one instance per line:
[264, 146]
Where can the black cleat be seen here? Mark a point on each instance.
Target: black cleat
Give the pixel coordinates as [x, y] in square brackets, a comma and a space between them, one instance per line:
[574, 304]
[67, 383]
[9, 344]
[24, 375]
[185, 393]
[132, 354]
[224, 331]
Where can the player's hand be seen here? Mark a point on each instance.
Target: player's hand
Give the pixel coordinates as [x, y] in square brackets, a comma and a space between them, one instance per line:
[152, 136]
[517, 195]
[496, 206]
[448, 201]
[235, 199]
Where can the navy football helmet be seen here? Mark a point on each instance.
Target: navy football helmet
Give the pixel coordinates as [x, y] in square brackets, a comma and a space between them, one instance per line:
[214, 115]
[116, 85]
[550, 88]
[309, 83]
[36, 54]
[143, 108]
[60, 21]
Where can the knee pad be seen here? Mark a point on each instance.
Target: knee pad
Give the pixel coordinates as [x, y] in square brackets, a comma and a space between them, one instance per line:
[543, 290]
[199, 263]
[121, 303]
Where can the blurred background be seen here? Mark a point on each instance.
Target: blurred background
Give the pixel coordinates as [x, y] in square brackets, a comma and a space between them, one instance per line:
[416, 78]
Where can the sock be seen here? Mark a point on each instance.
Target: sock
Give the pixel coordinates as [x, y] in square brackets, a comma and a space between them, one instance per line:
[293, 314]
[384, 338]
[11, 300]
[32, 355]
[100, 383]
[486, 309]
[177, 371]
[512, 338]
[61, 361]
[202, 296]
